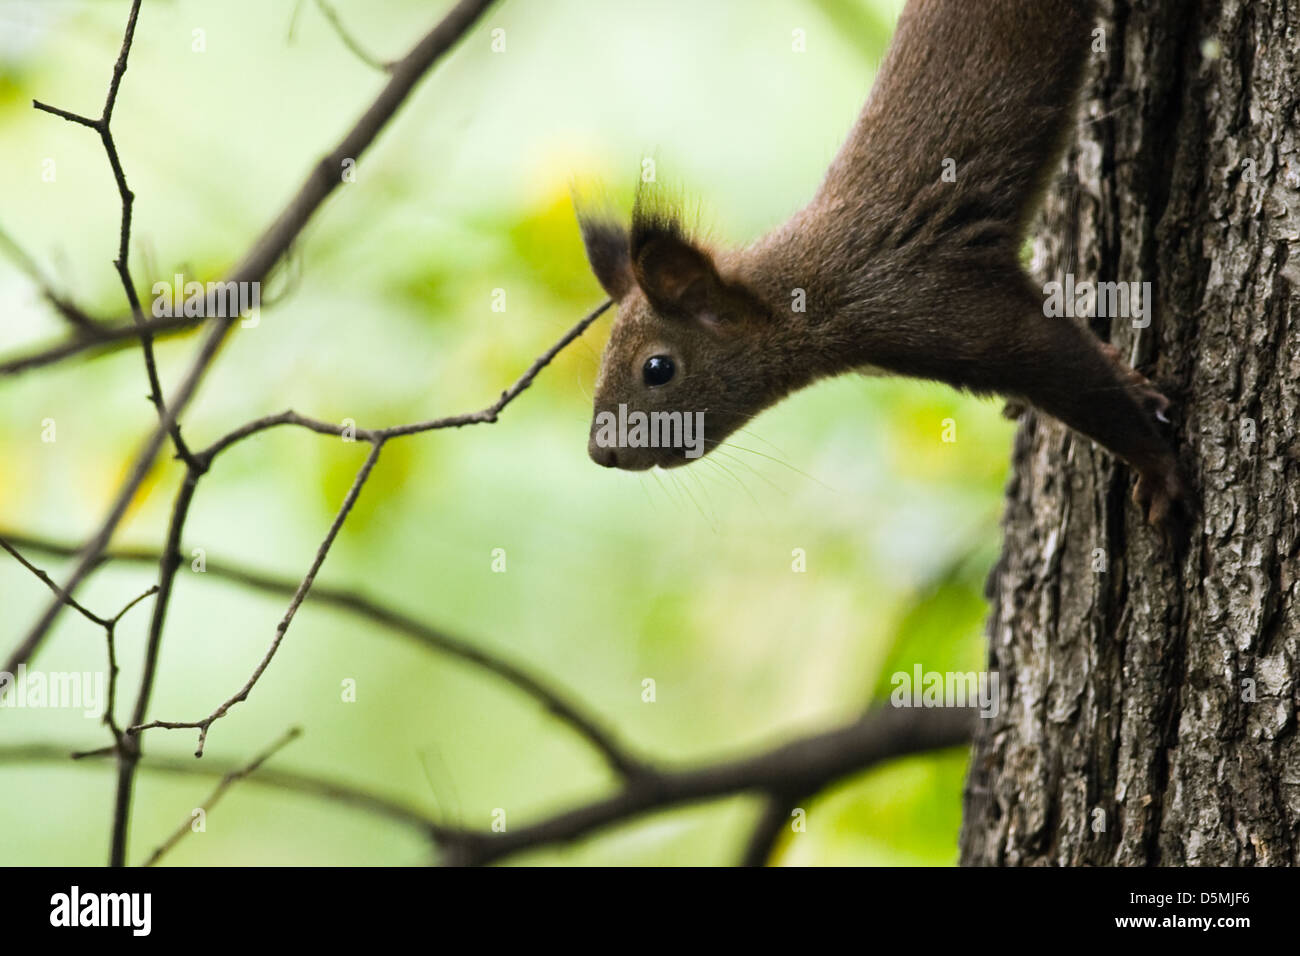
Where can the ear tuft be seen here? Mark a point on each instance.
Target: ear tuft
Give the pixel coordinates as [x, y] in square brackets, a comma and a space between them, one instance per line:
[654, 218]
[607, 251]
[677, 276]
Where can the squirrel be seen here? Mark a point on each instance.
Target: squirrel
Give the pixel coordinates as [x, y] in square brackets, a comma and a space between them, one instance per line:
[901, 269]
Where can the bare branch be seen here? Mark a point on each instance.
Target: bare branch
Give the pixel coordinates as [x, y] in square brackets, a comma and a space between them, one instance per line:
[53, 586]
[805, 765]
[350, 42]
[110, 637]
[170, 559]
[153, 589]
[228, 781]
[482, 416]
[108, 624]
[98, 339]
[203, 462]
[254, 267]
[287, 780]
[104, 127]
[71, 117]
[427, 636]
[283, 627]
[119, 68]
[128, 749]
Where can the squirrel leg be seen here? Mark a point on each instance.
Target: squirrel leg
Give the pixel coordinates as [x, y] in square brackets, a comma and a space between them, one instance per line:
[1068, 373]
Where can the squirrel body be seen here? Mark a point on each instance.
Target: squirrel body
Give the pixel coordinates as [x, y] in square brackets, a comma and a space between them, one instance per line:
[897, 267]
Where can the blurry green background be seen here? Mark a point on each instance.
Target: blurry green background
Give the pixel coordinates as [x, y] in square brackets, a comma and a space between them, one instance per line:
[611, 578]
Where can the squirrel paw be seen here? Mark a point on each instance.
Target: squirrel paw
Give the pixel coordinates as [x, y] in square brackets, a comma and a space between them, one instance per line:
[1148, 397]
[1161, 496]
[1159, 492]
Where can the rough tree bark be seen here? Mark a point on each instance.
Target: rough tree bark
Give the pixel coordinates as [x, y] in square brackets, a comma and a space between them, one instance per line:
[1151, 701]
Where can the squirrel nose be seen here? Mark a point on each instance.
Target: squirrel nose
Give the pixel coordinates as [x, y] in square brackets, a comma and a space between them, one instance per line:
[605, 457]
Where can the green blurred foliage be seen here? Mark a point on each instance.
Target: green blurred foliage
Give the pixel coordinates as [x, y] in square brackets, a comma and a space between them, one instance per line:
[612, 578]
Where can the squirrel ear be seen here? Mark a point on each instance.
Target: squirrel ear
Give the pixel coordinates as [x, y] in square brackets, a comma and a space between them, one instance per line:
[676, 277]
[680, 280]
[607, 251]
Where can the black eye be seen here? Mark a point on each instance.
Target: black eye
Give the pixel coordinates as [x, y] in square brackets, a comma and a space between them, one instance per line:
[658, 370]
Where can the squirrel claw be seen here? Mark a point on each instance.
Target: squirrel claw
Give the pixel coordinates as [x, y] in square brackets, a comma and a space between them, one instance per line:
[1148, 397]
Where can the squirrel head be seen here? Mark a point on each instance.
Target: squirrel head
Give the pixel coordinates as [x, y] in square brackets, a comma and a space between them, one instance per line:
[683, 341]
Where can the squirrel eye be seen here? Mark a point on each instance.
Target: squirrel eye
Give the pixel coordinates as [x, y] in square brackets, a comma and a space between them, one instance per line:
[658, 370]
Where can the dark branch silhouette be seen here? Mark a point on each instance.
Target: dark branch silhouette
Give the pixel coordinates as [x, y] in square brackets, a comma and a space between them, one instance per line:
[807, 764]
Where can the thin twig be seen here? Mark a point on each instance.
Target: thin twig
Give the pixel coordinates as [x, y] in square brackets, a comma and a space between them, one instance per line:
[108, 624]
[226, 782]
[153, 589]
[110, 637]
[103, 126]
[53, 586]
[319, 787]
[100, 339]
[486, 415]
[65, 114]
[432, 638]
[283, 627]
[330, 14]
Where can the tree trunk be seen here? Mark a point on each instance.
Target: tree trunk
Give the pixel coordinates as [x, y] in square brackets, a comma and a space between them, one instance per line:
[1150, 701]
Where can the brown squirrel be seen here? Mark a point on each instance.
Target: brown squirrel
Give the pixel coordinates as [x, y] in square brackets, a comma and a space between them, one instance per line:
[898, 267]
